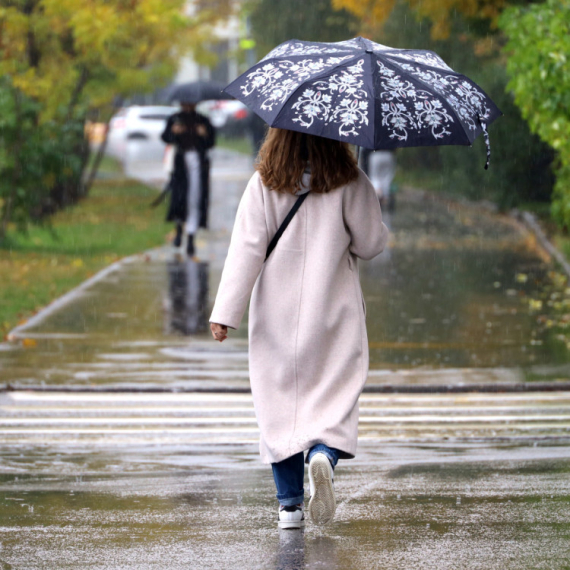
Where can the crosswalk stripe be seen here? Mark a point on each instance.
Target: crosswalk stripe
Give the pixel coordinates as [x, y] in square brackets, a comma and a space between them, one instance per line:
[534, 397]
[167, 421]
[44, 418]
[86, 411]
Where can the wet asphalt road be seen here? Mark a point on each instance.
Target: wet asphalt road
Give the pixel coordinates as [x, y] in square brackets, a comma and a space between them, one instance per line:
[399, 506]
[475, 479]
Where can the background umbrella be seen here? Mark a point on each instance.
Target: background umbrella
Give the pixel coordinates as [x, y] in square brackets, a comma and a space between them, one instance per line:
[366, 94]
[197, 91]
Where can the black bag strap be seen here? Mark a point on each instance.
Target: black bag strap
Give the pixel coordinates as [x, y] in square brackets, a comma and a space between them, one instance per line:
[285, 223]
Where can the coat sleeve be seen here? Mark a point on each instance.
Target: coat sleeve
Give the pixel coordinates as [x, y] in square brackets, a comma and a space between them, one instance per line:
[363, 218]
[167, 135]
[245, 258]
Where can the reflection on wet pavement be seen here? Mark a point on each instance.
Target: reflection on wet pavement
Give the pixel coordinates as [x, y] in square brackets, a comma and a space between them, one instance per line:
[445, 297]
[447, 294]
[187, 303]
[434, 507]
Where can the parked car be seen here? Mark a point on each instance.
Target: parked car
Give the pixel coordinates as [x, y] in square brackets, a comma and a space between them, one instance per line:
[137, 130]
[230, 118]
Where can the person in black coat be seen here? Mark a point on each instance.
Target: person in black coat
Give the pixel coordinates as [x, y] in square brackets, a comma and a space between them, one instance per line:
[193, 135]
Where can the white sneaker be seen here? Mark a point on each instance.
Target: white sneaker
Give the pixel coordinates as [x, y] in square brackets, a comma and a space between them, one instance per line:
[292, 517]
[322, 504]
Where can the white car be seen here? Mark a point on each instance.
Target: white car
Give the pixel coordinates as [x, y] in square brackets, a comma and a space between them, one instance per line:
[134, 133]
[229, 117]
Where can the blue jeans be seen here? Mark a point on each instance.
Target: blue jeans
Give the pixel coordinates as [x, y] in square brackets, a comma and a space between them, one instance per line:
[290, 473]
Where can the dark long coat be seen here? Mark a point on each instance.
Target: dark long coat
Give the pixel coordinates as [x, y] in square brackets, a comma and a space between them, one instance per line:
[190, 140]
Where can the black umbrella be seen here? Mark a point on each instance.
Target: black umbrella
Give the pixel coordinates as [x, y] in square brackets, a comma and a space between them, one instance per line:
[197, 91]
[366, 94]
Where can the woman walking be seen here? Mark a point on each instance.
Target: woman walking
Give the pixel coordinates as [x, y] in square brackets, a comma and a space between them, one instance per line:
[308, 347]
[193, 136]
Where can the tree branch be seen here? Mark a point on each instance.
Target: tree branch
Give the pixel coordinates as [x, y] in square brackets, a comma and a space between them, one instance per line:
[74, 99]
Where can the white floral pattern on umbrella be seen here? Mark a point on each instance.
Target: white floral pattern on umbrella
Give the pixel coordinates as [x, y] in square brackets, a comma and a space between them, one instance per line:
[274, 82]
[292, 49]
[405, 108]
[467, 101]
[420, 56]
[315, 103]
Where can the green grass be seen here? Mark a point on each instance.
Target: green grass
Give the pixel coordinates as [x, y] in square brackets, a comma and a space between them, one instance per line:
[109, 166]
[114, 221]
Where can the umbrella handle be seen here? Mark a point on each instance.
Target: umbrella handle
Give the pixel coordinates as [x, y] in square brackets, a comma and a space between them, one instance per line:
[487, 140]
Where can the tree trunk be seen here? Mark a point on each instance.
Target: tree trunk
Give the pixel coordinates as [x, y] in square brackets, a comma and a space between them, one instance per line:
[16, 149]
[96, 163]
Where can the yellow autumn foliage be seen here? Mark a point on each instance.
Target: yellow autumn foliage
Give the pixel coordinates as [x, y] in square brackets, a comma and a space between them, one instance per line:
[63, 52]
[374, 13]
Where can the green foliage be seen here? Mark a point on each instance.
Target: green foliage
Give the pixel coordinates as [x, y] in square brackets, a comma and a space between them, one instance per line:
[39, 162]
[519, 170]
[539, 56]
[276, 21]
[63, 61]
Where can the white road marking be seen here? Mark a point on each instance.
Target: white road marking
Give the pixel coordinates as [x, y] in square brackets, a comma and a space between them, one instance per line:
[44, 418]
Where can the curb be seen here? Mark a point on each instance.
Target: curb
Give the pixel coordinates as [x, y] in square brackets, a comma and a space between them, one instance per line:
[530, 221]
[374, 389]
[17, 332]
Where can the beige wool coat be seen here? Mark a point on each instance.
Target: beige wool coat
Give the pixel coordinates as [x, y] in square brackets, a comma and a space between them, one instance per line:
[308, 347]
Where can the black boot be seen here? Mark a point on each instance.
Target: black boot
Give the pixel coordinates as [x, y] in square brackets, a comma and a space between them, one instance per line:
[177, 241]
[190, 245]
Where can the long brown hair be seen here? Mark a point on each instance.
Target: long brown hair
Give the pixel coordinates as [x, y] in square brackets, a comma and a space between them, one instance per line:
[285, 154]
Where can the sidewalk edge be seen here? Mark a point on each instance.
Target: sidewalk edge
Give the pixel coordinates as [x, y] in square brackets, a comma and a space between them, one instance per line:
[370, 389]
[530, 221]
[17, 332]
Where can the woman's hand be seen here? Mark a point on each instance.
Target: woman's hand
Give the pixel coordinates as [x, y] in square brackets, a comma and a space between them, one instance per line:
[178, 128]
[219, 332]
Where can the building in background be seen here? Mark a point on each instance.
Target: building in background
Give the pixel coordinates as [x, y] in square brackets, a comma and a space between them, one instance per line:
[226, 43]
